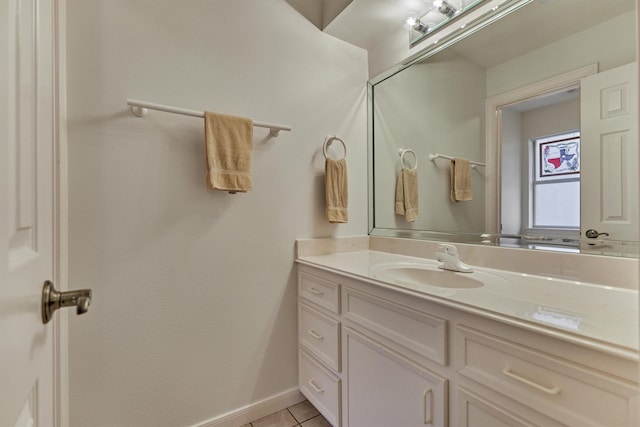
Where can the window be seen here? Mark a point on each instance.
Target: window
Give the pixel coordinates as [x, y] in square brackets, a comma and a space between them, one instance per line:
[555, 182]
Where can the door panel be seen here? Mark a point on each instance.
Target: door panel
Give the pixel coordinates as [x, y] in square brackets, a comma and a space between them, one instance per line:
[27, 215]
[609, 153]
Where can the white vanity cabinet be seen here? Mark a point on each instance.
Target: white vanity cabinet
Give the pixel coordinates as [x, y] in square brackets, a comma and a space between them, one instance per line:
[363, 360]
[319, 332]
[388, 352]
[555, 382]
[383, 388]
[376, 356]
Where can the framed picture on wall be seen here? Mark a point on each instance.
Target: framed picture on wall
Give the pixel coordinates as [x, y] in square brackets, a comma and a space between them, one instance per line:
[559, 157]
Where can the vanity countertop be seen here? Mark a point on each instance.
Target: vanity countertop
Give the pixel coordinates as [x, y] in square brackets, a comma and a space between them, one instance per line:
[601, 317]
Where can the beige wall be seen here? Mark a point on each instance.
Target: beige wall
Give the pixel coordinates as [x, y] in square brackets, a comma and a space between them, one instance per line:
[610, 45]
[511, 190]
[432, 107]
[194, 291]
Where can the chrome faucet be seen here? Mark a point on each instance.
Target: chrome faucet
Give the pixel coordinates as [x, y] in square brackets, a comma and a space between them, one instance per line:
[450, 261]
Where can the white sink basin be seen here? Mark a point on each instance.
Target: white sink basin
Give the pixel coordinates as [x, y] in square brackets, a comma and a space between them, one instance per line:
[431, 275]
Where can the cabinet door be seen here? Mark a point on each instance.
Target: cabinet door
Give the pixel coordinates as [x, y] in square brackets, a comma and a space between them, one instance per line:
[385, 389]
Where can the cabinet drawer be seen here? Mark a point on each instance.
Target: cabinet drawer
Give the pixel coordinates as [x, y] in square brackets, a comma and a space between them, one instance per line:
[476, 411]
[320, 387]
[321, 291]
[421, 333]
[569, 393]
[320, 334]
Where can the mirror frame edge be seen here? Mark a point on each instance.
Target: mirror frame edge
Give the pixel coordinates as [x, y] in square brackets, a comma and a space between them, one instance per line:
[370, 186]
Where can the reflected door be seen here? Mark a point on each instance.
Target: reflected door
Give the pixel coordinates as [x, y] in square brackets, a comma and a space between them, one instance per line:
[26, 209]
[609, 154]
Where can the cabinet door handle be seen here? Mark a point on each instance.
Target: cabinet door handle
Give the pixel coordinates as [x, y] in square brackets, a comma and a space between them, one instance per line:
[428, 406]
[510, 374]
[315, 291]
[315, 387]
[315, 335]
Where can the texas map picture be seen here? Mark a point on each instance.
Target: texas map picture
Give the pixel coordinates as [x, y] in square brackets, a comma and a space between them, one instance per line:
[560, 157]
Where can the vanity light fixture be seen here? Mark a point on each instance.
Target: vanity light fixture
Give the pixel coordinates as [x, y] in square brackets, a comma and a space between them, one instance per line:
[440, 13]
[417, 25]
[445, 8]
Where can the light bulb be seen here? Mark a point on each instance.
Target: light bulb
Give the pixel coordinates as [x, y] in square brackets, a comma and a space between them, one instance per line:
[445, 8]
[414, 23]
[420, 26]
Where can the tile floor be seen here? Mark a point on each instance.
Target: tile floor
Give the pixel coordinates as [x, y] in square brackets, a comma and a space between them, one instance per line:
[302, 414]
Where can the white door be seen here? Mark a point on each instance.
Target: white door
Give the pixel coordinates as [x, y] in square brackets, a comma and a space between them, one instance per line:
[609, 153]
[26, 209]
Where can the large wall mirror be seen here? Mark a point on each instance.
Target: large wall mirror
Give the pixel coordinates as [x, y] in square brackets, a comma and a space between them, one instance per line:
[543, 102]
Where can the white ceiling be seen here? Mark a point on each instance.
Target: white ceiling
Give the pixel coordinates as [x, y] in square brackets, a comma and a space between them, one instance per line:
[543, 22]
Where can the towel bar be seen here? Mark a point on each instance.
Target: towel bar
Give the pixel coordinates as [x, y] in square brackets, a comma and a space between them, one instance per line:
[141, 108]
[433, 157]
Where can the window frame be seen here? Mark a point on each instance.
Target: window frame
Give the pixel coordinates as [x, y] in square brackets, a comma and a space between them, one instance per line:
[536, 178]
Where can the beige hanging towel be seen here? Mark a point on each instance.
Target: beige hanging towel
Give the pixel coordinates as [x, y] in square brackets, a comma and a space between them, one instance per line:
[407, 194]
[336, 190]
[460, 180]
[229, 146]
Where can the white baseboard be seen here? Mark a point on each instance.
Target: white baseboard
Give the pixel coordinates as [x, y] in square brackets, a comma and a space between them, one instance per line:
[254, 411]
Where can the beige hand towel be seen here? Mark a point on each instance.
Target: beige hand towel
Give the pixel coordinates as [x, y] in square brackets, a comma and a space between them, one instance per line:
[336, 190]
[229, 146]
[407, 194]
[460, 180]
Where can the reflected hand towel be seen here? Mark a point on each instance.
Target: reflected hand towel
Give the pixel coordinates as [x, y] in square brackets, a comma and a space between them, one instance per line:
[460, 180]
[229, 146]
[336, 190]
[407, 194]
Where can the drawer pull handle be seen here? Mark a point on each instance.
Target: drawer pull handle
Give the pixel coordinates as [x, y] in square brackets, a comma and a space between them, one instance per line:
[553, 390]
[315, 335]
[315, 387]
[315, 291]
[428, 407]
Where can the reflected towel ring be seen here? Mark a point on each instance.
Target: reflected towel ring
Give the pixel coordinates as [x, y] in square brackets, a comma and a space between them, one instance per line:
[402, 152]
[328, 141]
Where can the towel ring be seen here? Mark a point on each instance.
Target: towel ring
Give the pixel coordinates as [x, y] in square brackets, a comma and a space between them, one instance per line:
[402, 152]
[328, 141]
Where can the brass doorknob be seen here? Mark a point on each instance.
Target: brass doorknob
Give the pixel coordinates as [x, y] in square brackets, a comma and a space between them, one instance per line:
[594, 234]
[53, 299]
